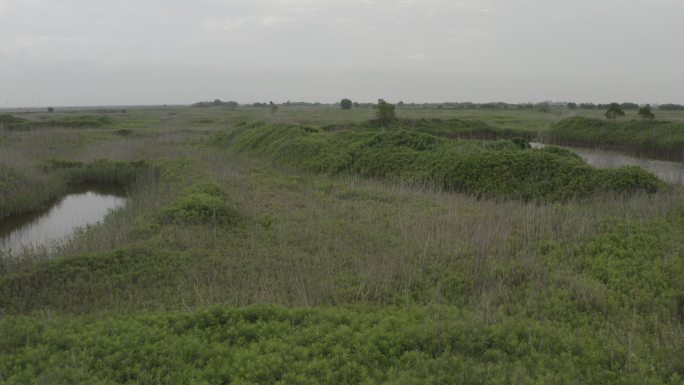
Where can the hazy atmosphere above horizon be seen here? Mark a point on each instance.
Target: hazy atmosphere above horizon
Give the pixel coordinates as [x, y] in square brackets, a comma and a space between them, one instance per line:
[78, 52]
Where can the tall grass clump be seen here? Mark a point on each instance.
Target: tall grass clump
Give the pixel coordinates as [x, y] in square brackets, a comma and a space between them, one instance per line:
[30, 189]
[10, 122]
[448, 128]
[659, 139]
[102, 171]
[25, 189]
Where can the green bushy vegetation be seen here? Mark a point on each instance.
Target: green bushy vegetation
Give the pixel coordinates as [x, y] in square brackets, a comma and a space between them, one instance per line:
[490, 169]
[660, 139]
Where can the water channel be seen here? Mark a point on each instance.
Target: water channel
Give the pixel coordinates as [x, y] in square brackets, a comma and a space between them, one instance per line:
[670, 172]
[86, 206]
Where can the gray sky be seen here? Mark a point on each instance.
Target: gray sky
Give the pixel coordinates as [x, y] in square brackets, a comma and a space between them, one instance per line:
[96, 52]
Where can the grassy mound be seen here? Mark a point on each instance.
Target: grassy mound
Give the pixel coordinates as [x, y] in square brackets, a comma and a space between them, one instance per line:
[489, 169]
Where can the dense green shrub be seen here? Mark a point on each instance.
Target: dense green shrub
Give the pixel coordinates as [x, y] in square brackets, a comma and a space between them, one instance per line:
[205, 204]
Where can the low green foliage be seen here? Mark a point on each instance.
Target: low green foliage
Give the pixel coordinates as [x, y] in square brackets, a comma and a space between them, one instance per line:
[631, 260]
[346, 345]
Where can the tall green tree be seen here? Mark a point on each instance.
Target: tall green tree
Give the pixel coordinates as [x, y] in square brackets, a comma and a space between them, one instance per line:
[385, 112]
[646, 113]
[346, 104]
[614, 110]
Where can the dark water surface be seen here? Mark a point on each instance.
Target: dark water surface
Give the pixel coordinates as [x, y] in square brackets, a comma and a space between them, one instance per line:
[86, 206]
[670, 172]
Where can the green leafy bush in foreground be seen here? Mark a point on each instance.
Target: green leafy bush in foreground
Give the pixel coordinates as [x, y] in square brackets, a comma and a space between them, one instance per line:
[345, 345]
[489, 169]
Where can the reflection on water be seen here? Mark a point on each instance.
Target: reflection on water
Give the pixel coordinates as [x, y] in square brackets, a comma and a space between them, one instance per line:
[670, 172]
[59, 222]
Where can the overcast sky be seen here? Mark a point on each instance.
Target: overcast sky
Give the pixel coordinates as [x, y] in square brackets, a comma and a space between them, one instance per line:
[97, 52]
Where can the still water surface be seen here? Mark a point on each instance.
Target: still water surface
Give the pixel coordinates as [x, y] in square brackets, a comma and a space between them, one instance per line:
[670, 172]
[47, 229]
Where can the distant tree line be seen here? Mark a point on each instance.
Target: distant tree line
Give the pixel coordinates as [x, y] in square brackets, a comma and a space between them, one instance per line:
[545, 106]
[628, 106]
[217, 103]
[671, 107]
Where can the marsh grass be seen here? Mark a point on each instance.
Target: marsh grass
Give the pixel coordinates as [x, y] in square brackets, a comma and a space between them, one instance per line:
[432, 284]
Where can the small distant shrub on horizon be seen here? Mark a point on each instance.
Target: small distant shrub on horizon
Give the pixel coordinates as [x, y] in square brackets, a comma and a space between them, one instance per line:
[346, 104]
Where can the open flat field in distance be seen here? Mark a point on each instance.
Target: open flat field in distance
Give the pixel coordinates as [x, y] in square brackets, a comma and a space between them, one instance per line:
[314, 245]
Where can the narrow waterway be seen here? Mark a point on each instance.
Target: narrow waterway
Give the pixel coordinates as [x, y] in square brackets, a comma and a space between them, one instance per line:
[47, 229]
[670, 172]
